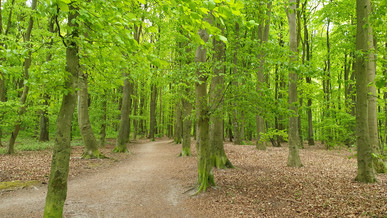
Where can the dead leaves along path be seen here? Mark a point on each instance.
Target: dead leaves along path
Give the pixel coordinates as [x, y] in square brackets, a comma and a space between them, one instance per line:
[139, 186]
[149, 183]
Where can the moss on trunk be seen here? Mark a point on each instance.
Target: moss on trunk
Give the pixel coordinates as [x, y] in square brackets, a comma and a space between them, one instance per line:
[57, 185]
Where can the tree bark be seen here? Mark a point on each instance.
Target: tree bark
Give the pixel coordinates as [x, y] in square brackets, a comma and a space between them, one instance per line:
[57, 185]
[102, 133]
[135, 111]
[365, 172]
[218, 155]
[205, 175]
[123, 132]
[23, 97]
[153, 104]
[263, 34]
[187, 108]
[178, 133]
[294, 157]
[90, 150]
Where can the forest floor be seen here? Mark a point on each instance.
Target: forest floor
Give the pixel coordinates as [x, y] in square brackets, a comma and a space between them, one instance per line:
[152, 180]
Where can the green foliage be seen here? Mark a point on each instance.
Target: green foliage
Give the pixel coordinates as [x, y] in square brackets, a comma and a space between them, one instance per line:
[272, 134]
[28, 144]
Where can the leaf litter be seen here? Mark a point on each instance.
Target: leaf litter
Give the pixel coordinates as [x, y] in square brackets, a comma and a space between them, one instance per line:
[261, 185]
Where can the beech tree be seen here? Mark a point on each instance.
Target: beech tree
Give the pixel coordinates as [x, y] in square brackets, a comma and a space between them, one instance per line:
[57, 185]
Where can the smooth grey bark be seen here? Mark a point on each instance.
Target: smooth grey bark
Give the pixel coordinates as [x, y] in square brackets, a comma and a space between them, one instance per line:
[178, 133]
[263, 35]
[123, 132]
[293, 157]
[379, 165]
[236, 123]
[219, 158]
[365, 171]
[57, 185]
[102, 132]
[23, 97]
[205, 175]
[135, 111]
[187, 108]
[153, 104]
[90, 143]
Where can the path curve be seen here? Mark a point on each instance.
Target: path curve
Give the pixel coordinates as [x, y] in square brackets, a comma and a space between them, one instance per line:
[137, 187]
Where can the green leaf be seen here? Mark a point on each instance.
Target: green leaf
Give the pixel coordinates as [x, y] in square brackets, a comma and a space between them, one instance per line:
[222, 38]
[63, 6]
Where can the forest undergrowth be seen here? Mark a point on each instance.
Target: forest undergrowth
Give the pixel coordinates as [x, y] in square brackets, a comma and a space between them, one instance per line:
[260, 185]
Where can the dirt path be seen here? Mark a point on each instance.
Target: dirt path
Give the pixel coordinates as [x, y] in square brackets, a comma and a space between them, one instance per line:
[137, 187]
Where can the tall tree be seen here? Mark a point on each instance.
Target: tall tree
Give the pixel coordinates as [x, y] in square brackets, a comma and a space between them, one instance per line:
[263, 36]
[153, 104]
[123, 132]
[205, 175]
[23, 97]
[308, 79]
[294, 157]
[364, 44]
[219, 158]
[57, 185]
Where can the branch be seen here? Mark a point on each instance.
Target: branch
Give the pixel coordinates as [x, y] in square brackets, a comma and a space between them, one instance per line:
[57, 24]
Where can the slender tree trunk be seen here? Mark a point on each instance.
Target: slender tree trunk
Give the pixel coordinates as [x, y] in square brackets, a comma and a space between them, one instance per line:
[102, 133]
[23, 98]
[135, 106]
[178, 123]
[294, 157]
[263, 35]
[57, 185]
[365, 172]
[44, 134]
[3, 88]
[123, 132]
[236, 122]
[205, 175]
[44, 119]
[142, 108]
[187, 108]
[153, 102]
[218, 155]
[160, 128]
[373, 108]
[90, 143]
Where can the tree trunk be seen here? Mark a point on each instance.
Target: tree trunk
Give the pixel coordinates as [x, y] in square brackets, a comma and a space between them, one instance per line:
[205, 175]
[294, 157]
[123, 132]
[153, 102]
[102, 133]
[218, 155]
[365, 172]
[373, 109]
[44, 134]
[23, 97]
[263, 34]
[178, 123]
[90, 150]
[187, 108]
[57, 185]
[135, 106]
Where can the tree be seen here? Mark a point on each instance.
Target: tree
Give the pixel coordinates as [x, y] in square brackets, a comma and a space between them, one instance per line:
[205, 176]
[293, 158]
[263, 35]
[23, 97]
[219, 158]
[57, 185]
[364, 44]
[123, 132]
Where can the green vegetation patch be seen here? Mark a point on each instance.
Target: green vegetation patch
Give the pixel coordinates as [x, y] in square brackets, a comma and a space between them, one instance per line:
[17, 184]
